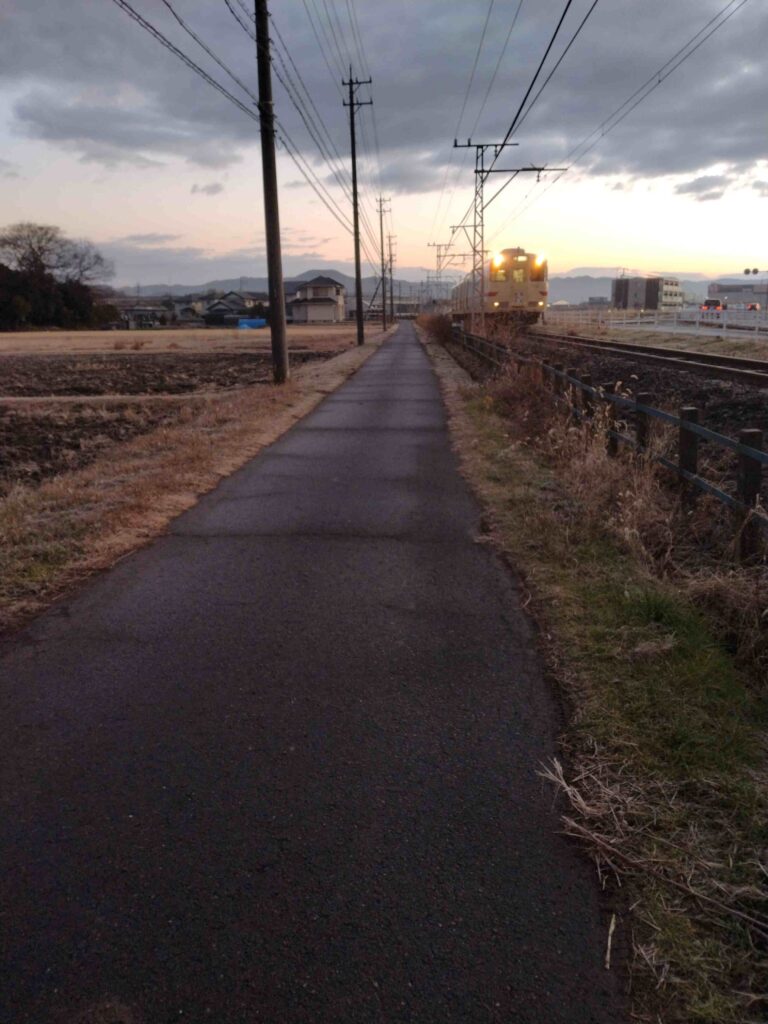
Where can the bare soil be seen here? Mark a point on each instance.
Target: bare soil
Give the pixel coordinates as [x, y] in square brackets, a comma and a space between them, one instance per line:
[42, 442]
[318, 337]
[166, 373]
[79, 405]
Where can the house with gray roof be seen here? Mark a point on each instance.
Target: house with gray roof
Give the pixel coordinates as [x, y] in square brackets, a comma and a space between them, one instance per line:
[319, 301]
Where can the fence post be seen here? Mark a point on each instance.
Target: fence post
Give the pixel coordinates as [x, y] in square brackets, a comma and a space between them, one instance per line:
[749, 482]
[688, 448]
[559, 383]
[642, 422]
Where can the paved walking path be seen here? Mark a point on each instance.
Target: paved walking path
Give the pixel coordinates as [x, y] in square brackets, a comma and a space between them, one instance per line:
[281, 765]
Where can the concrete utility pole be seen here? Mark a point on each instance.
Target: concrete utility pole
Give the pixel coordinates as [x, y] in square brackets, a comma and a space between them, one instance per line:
[280, 367]
[390, 239]
[381, 203]
[354, 104]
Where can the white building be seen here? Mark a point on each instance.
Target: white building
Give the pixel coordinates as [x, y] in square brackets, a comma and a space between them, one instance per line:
[321, 300]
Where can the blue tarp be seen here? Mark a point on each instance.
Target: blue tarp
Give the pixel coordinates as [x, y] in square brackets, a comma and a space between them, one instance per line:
[253, 325]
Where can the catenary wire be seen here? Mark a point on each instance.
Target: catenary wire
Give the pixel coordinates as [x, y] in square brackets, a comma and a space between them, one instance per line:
[628, 106]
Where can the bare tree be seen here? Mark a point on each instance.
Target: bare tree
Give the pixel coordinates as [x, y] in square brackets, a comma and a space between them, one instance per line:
[43, 248]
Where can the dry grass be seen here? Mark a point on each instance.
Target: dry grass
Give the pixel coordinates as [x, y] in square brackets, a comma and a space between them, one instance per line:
[318, 337]
[665, 750]
[55, 534]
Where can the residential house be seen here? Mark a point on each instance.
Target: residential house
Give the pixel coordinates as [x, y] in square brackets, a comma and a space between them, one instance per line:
[321, 300]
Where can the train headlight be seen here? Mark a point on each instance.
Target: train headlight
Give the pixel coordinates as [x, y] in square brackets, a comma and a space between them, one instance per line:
[496, 304]
[540, 259]
[498, 260]
[541, 303]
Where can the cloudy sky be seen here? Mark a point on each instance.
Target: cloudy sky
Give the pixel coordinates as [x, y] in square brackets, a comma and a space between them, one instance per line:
[107, 134]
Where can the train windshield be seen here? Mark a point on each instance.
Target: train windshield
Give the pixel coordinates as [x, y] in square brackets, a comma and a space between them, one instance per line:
[498, 268]
[538, 268]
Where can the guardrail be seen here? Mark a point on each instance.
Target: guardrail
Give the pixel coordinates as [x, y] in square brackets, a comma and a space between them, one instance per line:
[751, 321]
[583, 399]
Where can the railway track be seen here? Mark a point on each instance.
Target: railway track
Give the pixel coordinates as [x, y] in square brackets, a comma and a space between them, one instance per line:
[753, 372]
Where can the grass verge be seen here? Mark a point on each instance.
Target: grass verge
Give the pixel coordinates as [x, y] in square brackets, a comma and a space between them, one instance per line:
[664, 753]
[55, 534]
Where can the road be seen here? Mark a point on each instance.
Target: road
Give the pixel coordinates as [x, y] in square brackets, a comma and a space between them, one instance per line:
[281, 765]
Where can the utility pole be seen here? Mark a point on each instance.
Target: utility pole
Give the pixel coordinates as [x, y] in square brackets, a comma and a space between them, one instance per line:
[390, 239]
[280, 367]
[354, 104]
[381, 201]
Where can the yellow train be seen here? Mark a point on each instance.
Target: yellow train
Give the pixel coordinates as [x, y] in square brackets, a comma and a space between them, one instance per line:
[515, 289]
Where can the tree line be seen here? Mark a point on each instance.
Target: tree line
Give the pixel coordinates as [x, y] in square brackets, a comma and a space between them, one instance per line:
[47, 279]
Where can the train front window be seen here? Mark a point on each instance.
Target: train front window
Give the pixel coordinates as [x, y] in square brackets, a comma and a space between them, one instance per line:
[539, 269]
[498, 269]
[518, 275]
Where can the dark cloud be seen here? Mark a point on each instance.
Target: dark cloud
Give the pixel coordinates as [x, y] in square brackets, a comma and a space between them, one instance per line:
[8, 169]
[207, 190]
[91, 81]
[705, 188]
[152, 238]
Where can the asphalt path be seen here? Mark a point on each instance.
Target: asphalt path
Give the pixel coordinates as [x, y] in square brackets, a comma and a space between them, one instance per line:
[281, 765]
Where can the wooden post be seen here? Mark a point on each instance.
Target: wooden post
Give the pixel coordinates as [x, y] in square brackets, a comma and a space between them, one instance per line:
[688, 449]
[559, 383]
[643, 423]
[749, 482]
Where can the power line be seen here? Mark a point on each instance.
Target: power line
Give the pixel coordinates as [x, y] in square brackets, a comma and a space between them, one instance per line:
[210, 52]
[463, 107]
[318, 184]
[290, 147]
[560, 60]
[538, 72]
[638, 96]
[314, 131]
[496, 69]
[488, 90]
[316, 32]
[125, 6]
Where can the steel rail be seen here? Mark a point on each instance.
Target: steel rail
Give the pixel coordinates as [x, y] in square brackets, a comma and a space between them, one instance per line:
[747, 371]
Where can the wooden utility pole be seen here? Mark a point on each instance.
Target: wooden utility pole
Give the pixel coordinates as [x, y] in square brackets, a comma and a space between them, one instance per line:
[280, 367]
[381, 202]
[354, 104]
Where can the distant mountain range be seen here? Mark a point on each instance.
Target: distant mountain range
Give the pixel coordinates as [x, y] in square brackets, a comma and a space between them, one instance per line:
[577, 285]
[261, 284]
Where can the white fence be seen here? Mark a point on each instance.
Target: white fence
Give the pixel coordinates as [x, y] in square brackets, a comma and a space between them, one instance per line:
[682, 321]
